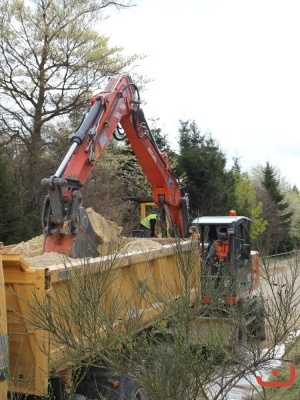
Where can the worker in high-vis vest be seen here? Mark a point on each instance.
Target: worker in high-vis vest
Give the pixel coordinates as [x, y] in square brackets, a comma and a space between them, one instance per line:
[147, 225]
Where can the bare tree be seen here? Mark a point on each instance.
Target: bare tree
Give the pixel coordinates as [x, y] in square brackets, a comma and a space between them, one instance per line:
[116, 177]
[51, 59]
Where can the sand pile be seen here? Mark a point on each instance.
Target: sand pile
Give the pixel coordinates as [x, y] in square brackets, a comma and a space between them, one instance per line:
[108, 231]
[47, 259]
[31, 248]
[136, 244]
[32, 252]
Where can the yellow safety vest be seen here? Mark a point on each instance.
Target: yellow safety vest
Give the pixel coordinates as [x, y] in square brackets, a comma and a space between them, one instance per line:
[146, 221]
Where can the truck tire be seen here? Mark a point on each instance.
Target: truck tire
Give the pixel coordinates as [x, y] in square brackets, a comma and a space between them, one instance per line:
[129, 390]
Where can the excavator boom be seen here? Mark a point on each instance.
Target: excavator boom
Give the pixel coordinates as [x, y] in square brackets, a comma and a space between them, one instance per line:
[64, 219]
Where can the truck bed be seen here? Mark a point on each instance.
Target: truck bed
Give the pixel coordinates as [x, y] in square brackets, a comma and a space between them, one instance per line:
[132, 284]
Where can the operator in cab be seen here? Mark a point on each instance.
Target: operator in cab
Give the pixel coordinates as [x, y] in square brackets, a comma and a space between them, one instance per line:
[218, 251]
[147, 225]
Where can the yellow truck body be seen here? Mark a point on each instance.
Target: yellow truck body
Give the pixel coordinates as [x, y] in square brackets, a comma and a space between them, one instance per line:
[33, 355]
[3, 339]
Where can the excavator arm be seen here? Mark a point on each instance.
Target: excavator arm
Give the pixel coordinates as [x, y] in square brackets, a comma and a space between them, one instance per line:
[65, 222]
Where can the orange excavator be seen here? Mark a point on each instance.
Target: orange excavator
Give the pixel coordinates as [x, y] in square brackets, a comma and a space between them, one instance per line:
[114, 113]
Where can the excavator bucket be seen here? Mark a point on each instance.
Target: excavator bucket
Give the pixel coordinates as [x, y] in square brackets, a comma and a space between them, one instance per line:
[83, 242]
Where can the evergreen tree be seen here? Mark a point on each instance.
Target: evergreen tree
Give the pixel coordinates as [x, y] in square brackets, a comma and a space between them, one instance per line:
[279, 227]
[162, 141]
[14, 226]
[236, 165]
[202, 161]
[271, 183]
[295, 189]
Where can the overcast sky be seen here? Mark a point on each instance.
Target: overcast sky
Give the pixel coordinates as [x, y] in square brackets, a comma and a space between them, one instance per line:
[233, 66]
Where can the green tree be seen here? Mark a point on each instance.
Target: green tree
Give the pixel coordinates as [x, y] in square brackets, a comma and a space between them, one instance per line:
[14, 225]
[247, 204]
[203, 162]
[162, 141]
[279, 217]
[292, 198]
[51, 59]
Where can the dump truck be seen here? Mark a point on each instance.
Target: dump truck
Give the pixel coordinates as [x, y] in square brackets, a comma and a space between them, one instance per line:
[39, 361]
[34, 361]
[62, 306]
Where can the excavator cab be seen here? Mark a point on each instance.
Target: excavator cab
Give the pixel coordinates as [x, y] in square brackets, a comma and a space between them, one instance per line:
[228, 271]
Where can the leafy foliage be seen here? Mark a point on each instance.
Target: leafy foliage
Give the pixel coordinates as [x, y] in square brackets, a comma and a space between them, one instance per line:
[246, 203]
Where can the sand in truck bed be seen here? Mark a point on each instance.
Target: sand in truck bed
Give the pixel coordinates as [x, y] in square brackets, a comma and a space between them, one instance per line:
[109, 233]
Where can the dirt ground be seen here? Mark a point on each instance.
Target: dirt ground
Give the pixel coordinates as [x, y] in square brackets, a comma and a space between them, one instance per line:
[109, 233]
